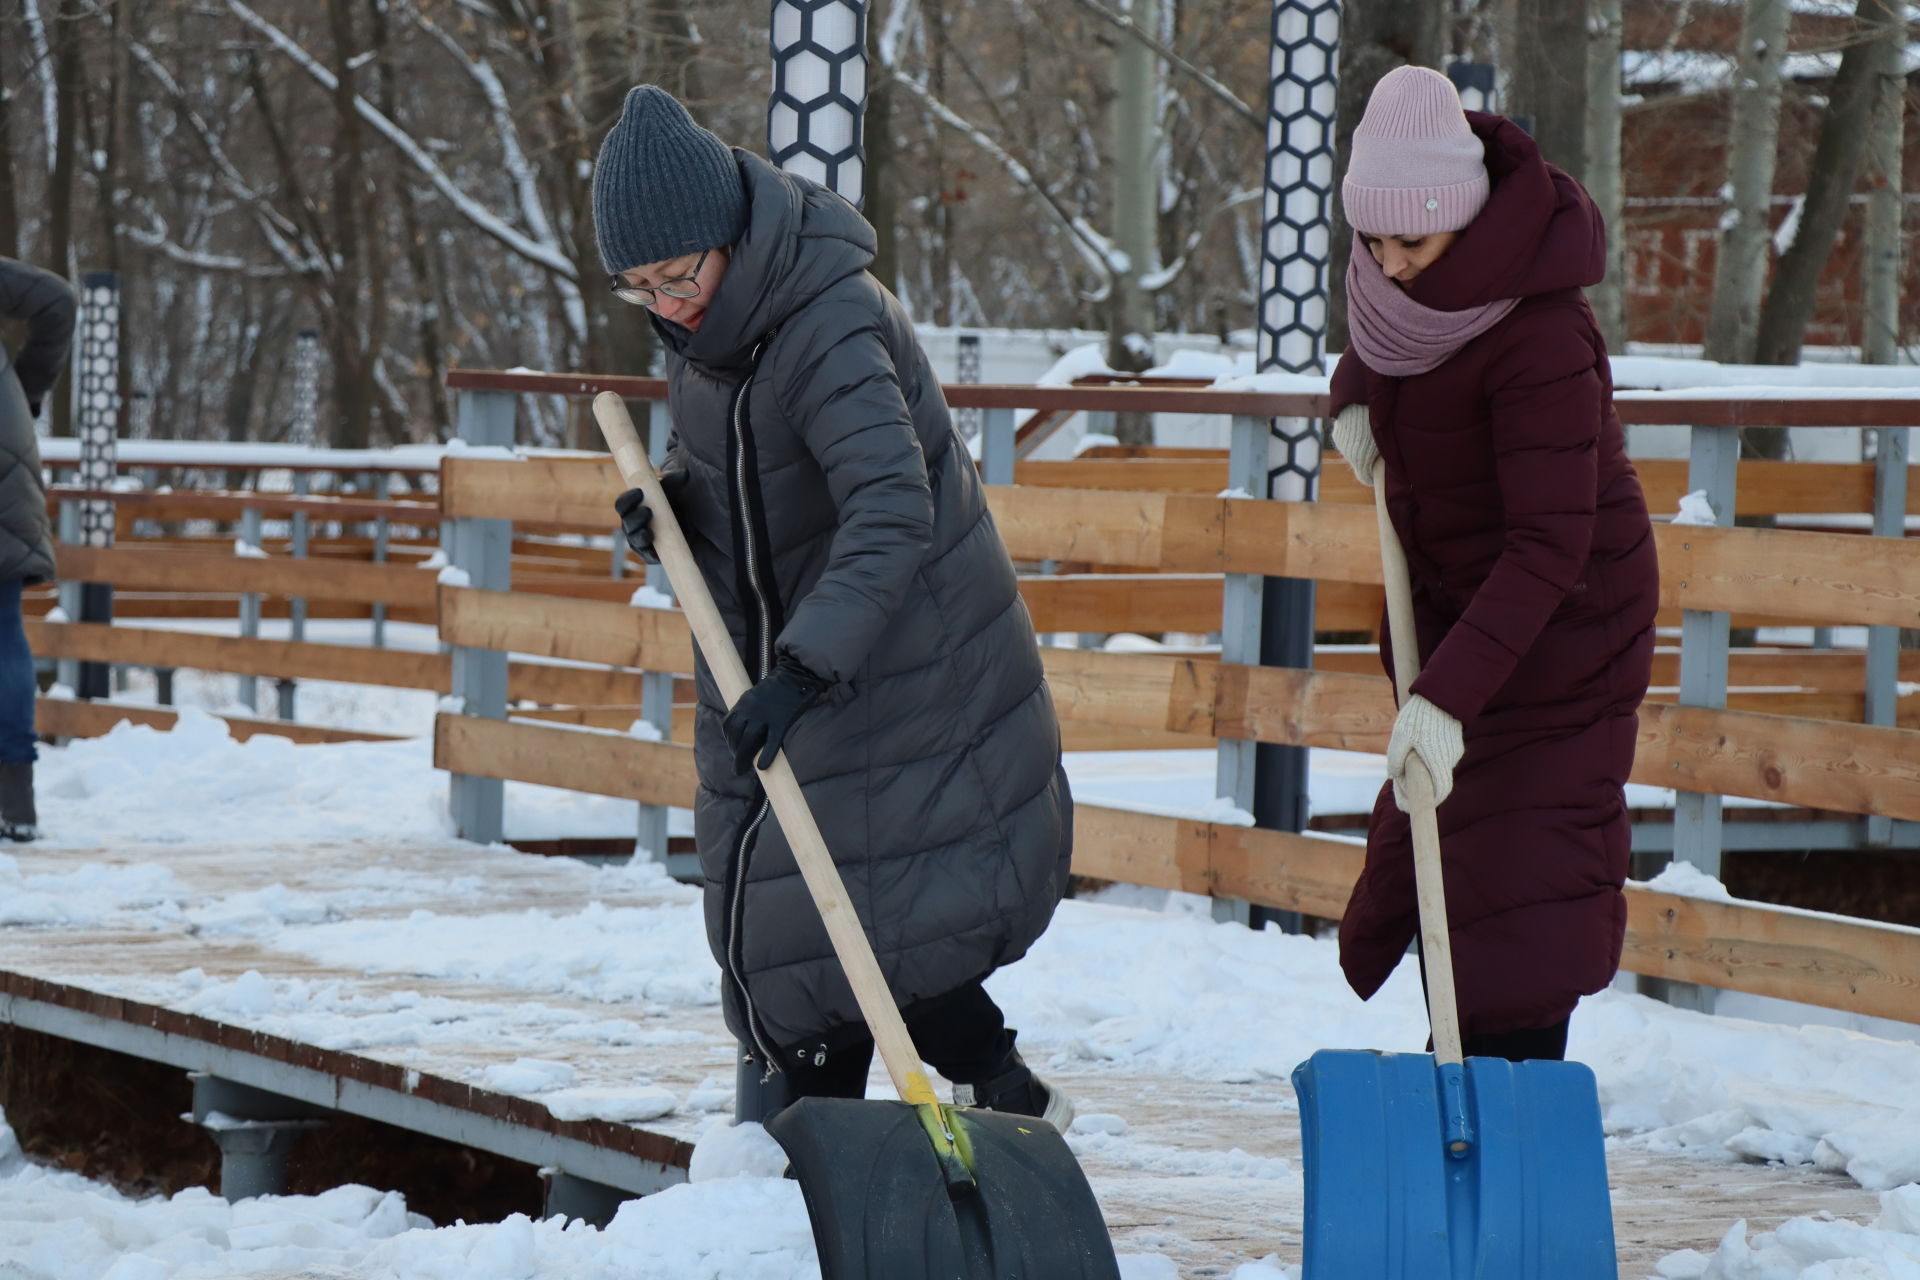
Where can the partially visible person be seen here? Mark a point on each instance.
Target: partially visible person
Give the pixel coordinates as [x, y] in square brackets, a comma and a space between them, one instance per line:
[47, 304]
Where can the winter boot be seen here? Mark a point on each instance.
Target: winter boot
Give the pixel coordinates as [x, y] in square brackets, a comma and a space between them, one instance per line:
[18, 821]
[1018, 1091]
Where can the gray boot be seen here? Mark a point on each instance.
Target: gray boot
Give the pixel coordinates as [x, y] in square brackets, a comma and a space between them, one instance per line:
[18, 820]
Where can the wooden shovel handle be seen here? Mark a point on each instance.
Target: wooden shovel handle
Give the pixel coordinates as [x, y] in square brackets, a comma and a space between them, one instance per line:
[1443, 1011]
[783, 789]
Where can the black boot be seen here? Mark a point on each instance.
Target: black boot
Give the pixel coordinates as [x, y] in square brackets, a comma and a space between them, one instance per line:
[1017, 1091]
[18, 821]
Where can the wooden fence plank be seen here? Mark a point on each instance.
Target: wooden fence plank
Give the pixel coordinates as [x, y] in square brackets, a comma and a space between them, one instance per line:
[1790, 954]
[577, 630]
[571, 493]
[1106, 603]
[301, 660]
[399, 585]
[1828, 578]
[67, 718]
[1817, 764]
[602, 764]
[1784, 952]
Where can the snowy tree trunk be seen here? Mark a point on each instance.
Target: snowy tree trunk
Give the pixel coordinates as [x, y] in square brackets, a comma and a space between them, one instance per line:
[1550, 78]
[1740, 270]
[1830, 183]
[9, 202]
[1880, 259]
[619, 339]
[1603, 177]
[880, 194]
[64, 33]
[1375, 37]
[1136, 207]
[350, 333]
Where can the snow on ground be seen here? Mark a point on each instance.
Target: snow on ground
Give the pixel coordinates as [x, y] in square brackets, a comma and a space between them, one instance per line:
[1134, 981]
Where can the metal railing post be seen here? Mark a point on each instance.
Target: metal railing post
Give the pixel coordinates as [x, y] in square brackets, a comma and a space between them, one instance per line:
[1240, 636]
[1883, 643]
[650, 840]
[1697, 835]
[382, 487]
[68, 669]
[997, 447]
[297, 605]
[249, 691]
[483, 550]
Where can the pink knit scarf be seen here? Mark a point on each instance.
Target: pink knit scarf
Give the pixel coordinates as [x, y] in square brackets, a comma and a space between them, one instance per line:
[1397, 336]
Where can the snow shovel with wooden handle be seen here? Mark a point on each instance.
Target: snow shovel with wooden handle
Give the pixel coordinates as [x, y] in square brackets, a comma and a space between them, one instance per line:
[1428, 1166]
[896, 1190]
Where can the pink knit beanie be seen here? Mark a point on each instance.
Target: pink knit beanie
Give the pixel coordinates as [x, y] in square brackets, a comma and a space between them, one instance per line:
[1416, 168]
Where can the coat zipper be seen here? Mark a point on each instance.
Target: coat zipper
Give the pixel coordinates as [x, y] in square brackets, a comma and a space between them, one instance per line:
[737, 909]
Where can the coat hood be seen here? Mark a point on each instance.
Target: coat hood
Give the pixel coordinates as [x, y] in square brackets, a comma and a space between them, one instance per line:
[1539, 233]
[801, 239]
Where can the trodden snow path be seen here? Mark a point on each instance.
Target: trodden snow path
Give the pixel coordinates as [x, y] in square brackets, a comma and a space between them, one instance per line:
[590, 991]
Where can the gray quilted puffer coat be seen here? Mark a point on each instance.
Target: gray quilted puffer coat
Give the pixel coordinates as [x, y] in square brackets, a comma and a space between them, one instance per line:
[47, 304]
[828, 488]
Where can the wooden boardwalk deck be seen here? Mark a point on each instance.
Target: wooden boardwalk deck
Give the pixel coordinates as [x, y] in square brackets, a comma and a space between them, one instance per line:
[1163, 1183]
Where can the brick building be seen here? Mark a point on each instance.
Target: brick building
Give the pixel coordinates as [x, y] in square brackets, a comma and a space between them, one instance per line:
[1673, 149]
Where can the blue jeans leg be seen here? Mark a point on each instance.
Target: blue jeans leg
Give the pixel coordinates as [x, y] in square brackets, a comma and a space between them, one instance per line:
[17, 687]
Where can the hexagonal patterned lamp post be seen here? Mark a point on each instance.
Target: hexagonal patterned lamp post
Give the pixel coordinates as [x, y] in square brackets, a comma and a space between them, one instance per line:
[96, 402]
[819, 100]
[1296, 250]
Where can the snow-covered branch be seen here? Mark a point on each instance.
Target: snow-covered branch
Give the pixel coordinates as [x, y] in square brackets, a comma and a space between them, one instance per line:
[1096, 249]
[542, 254]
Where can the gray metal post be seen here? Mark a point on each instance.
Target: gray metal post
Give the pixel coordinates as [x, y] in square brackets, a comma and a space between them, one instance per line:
[1697, 835]
[249, 692]
[1883, 643]
[297, 605]
[594, 1203]
[967, 371]
[255, 1131]
[382, 530]
[997, 446]
[483, 549]
[656, 687]
[68, 669]
[1240, 636]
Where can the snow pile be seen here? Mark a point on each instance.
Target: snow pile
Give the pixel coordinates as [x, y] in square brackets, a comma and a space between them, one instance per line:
[1696, 509]
[1816, 1248]
[1728, 1088]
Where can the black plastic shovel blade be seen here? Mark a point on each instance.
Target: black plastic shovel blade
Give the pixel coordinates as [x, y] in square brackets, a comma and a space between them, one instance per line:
[882, 1210]
[1488, 1170]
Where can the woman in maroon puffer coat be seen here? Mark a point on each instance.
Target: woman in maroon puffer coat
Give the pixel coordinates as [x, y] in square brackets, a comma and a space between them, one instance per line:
[1476, 388]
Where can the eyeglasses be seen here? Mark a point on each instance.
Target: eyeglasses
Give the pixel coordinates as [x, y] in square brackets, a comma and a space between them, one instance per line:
[683, 287]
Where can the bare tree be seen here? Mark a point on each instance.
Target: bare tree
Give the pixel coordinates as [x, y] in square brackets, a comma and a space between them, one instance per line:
[1603, 175]
[1830, 184]
[1136, 138]
[1881, 242]
[1740, 269]
[1374, 39]
[1549, 67]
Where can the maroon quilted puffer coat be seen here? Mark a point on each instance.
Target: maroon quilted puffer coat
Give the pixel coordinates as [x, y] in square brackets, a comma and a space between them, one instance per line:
[1535, 587]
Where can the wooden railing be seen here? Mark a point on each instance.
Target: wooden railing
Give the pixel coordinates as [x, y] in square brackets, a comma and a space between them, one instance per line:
[1173, 543]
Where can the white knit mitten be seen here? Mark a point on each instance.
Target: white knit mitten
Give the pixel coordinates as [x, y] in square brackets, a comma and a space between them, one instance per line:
[1424, 730]
[1353, 437]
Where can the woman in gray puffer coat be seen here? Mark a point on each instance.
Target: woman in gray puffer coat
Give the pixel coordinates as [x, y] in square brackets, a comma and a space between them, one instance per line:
[841, 525]
[46, 303]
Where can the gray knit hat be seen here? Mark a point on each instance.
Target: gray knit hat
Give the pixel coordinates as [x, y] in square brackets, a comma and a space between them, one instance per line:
[663, 186]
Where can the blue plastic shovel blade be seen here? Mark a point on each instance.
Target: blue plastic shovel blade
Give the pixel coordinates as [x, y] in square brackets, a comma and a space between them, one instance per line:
[1388, 1200]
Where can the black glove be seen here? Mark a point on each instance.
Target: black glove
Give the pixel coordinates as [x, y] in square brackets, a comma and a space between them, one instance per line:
[636, 518]
[760, 720]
